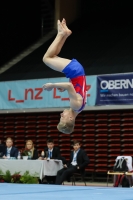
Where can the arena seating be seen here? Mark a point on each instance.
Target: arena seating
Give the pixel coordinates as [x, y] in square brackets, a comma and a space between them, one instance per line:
[104, 135]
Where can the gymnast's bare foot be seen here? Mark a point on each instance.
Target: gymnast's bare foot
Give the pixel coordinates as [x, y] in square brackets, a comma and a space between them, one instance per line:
[61, 30]
[68, 31]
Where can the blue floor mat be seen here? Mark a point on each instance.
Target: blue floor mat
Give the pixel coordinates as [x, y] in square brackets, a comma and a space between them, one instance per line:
[54, 192]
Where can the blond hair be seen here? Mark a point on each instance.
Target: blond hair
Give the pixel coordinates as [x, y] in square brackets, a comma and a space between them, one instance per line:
[32, 150]
[67, 127]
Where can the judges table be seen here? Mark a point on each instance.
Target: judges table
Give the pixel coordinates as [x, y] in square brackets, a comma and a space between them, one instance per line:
[37, 168]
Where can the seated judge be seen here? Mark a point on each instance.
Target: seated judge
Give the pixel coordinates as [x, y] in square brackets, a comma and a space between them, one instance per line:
[33, 153]
[10, 150]
[51, 152]
[77, 163]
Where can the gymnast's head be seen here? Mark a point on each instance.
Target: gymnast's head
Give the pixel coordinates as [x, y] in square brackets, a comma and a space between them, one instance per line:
[67, 122]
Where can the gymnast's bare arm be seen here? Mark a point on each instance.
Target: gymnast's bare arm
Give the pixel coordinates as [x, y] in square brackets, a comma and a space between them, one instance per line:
[75, 99]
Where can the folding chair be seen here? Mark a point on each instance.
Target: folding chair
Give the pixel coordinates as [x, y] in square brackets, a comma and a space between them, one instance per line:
[129, 164]
[78, 175]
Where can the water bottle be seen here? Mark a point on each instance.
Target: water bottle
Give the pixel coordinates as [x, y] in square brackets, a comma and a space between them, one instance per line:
[8, 155]
[29, 155]
[19, 155]
[42, 155]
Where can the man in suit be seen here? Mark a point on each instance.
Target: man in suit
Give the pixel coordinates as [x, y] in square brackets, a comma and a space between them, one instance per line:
[51, 151]
[10, 150]
[77, 163]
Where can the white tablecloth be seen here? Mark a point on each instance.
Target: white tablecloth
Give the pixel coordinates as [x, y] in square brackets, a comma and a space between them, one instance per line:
[51, 167]
[37, 168]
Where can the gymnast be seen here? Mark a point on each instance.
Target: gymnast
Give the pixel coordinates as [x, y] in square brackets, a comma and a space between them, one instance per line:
[73, 70]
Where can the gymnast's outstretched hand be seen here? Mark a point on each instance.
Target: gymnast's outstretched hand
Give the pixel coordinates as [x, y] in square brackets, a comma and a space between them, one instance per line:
[48, 86]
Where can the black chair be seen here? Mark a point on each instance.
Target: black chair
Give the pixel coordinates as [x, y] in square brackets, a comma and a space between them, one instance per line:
[78, 175]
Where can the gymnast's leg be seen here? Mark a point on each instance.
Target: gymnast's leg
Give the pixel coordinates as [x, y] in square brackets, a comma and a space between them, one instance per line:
[50, 58]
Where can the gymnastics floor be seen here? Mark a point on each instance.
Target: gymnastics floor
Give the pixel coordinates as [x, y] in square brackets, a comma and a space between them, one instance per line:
[53, 192]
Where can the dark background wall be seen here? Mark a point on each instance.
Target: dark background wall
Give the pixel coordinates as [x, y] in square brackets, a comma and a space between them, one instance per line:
[20, 26]
[105, 22]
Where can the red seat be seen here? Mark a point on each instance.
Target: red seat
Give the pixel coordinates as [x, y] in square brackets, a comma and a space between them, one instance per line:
[104, 154]
[101, 135]
[9, 118]
[118, 150]
[52, 127]
[114, 119]
[41, 126]
[20, 136]
[101, 125]
[53, 134]
[41, 117]
[41, 141]
[20, 122]
[89, 125]
[101, 129]
[1, 134]
[126, 134]
[9, 122]
[65, 140]
[101, 168]
[128, 145]
[113, 155]
[104, 119]
[101, 115]
[2, 127]
[127, 114]
[114, 140]
[105, 140]
[64, 136]
[89, 145]
[30, 117]
[19, 126]
[127, 119]
[9, 134]
[41, 121]
[30, 134]
[30, 126]
[9, 127]
[101, 161]
[53, 116]
[41, 134]
[88, 141]
[19, 143]
[117, 125]
[77, 130]
[53, 131]
[31, 121]
[100, 150]
[127, 151]
[89, 150]
[19, 118]
[115, 129]
[88, 135]
[76, 136]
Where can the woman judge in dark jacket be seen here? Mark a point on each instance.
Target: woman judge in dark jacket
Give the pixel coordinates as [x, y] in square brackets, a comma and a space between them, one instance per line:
[30, 147]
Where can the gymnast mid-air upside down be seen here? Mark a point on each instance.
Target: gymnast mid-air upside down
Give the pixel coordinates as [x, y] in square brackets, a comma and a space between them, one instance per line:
[73, 70]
